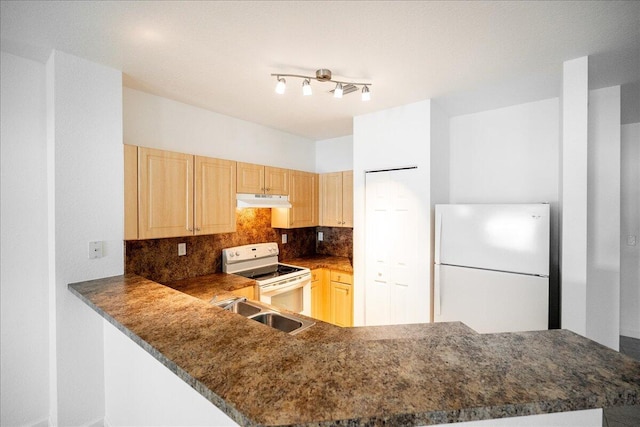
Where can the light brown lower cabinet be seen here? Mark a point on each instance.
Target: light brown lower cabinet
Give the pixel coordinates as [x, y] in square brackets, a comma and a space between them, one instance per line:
[320, 294]
[247, 292]
[341, 298]
[332, 296]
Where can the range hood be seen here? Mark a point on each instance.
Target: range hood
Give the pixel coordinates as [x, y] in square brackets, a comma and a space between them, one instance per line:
[262, 201]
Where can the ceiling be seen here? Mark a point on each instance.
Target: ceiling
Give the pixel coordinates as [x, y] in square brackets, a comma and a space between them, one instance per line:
[219, 55]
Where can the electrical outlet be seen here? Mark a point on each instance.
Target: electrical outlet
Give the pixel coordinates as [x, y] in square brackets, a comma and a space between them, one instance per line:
[284, 238]
[95, 250]
[631, 240]
[320, 236]
[182, 249]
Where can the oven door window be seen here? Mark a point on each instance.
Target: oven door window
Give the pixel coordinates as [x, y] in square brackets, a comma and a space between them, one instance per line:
[290, 300]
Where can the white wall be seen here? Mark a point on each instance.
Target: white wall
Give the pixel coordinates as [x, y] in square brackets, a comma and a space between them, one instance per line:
[156, 122]
[510, 155]
[393, 138]
[630, 226]
[86, 204]
[141, 391]
[603, 217]
[24, 374]
[335, 154]
[440, 172]
[575, 79]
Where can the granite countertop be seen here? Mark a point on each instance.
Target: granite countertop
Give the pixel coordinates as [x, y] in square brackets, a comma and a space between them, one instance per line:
[221, 285]
[322, 261]
[425, 374]
[211, 285]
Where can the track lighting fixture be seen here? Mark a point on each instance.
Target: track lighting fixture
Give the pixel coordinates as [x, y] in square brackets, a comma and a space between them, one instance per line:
[281, 86]
[366, 95]
[324, 75]
[337, 92]
[306, 87]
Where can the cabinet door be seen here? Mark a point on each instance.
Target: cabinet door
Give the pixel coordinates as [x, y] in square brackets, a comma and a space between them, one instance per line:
[215, 196]
[250, 178]
[130, 192]
[304, 199]
[276, 181]
[320, 295]
[165, 197]
[341, 304]
[332, 199]
[248, 292]
[316, 294]
[347, 199]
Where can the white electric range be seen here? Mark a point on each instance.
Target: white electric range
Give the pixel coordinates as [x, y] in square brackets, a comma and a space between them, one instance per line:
[281, 285]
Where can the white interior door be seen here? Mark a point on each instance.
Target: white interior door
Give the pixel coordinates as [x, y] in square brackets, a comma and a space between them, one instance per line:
[397, 248]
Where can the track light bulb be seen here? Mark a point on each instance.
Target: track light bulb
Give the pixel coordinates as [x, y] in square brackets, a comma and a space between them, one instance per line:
[281, 86]
[337, 93]
[366, 95]
[306, 88]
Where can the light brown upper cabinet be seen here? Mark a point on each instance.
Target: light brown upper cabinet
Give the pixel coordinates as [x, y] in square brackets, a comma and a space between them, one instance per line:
[304, 202]
[258, 179]
[182, 195]
[336, 199]
[215, 195]
[130, 192]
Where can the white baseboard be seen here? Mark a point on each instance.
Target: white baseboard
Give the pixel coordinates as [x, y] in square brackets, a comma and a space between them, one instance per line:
[107, 423]
[630, 333]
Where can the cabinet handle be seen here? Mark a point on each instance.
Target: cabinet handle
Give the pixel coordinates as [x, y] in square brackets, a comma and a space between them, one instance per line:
[198, 229]
[190, 229]
[268, 189]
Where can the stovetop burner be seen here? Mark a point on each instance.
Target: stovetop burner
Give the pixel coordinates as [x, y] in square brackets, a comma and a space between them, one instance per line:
[268, 272]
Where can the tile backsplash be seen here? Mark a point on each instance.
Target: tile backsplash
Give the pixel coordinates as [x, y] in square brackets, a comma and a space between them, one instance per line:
[158, 260]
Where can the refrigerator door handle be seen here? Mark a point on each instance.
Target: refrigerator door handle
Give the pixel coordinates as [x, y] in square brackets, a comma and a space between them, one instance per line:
[438, 239]
[436, 292]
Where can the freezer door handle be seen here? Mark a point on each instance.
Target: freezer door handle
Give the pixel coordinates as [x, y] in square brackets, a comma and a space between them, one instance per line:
[438, 239]
[436, 291]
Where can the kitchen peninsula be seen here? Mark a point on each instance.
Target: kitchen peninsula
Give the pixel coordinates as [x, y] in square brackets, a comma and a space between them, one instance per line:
[398, 375]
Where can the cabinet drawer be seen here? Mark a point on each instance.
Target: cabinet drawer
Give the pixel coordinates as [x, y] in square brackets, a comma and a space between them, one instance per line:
[342, 277]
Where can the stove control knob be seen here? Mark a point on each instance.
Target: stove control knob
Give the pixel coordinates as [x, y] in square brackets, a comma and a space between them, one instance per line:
[231, 254]
[237, 253]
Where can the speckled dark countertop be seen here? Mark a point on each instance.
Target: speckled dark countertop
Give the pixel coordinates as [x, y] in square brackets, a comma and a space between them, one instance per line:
[428, 374]
[211, 285]
[322, 261]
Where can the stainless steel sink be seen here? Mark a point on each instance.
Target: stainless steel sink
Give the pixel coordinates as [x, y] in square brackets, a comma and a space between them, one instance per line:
[264, 314]
[238, 305]
[245, 309]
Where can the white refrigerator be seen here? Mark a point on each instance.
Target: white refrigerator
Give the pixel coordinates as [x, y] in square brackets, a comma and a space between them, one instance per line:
[492, 266]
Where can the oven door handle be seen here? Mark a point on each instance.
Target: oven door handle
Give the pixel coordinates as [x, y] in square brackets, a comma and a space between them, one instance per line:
[278, 288]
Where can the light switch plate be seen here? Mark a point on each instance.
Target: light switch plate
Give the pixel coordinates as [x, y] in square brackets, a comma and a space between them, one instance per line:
[284, 238]
[320, 236]
[95, 250]
[182, 249]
